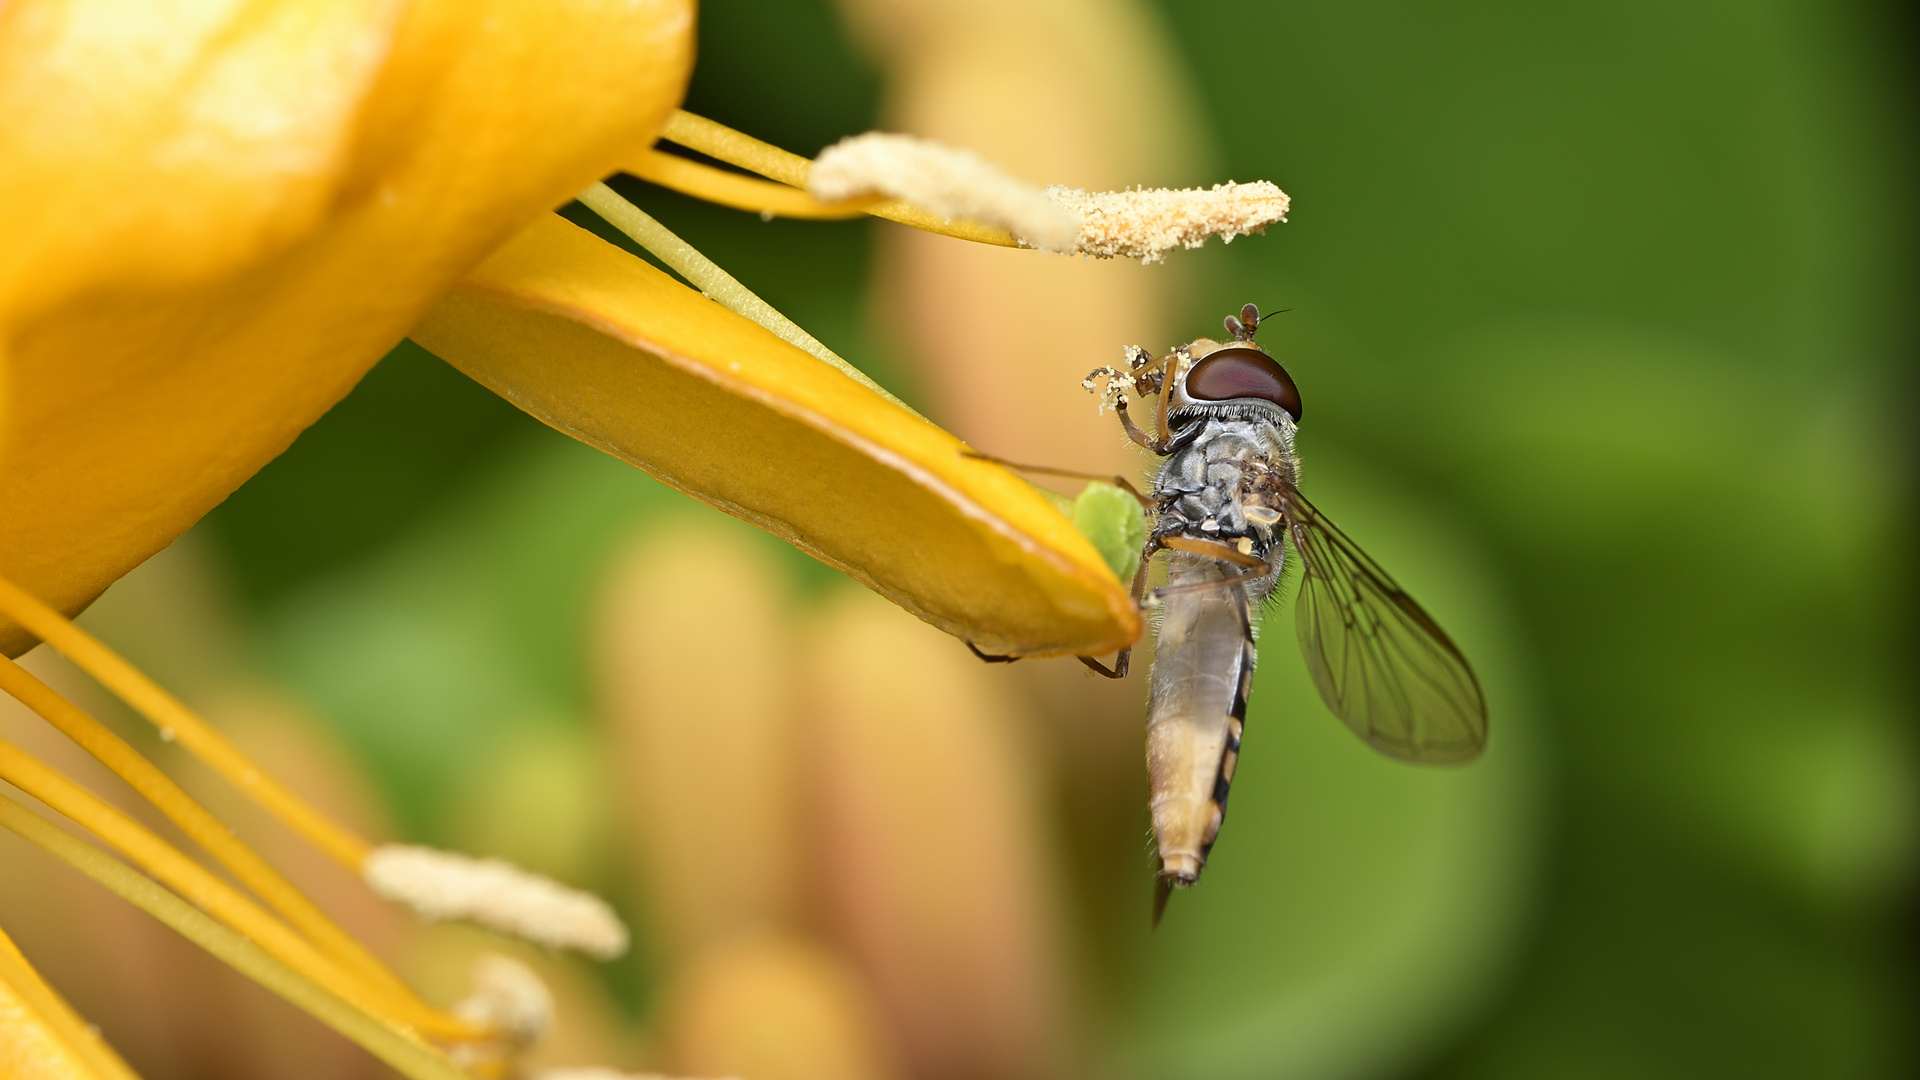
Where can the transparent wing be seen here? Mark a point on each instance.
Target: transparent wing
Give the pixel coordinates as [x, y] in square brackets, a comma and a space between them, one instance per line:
[1381, 662]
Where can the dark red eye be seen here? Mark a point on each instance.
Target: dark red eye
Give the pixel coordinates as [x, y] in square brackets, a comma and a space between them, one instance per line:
[1243, 373]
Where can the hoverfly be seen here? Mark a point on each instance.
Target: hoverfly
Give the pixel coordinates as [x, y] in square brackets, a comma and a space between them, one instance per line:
[1227, 509]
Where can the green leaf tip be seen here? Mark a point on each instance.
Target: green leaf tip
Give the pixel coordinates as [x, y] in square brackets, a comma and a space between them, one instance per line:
[1113, 521]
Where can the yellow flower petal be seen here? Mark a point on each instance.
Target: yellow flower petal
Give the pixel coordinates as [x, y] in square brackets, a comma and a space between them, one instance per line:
[218, 219]
[602, 346]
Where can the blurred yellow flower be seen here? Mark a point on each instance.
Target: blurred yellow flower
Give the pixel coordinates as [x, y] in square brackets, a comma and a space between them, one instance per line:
[209, 248]
[219, 216]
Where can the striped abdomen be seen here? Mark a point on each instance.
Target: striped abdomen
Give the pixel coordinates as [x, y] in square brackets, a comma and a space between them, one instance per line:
[1202, 667]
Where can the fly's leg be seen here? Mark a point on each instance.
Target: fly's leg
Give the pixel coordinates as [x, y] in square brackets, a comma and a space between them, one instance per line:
[1250, 574]
[1255, 566]
[1143, 378]
[1166, 391]
[1218, 549]
[1133, 430]
[1120, 482]
[1120, 662]
[1161, 383]
[989, 657]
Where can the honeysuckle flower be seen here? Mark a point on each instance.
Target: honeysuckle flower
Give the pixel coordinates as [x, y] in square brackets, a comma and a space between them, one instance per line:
[220, 216]
[217, 218]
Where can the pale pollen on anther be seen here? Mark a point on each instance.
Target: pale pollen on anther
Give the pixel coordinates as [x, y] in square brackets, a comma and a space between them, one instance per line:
[443, 886]
[950, 182]
[509, 998]
[1143, 224]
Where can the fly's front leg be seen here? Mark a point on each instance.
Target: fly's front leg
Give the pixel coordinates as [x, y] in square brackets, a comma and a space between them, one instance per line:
[1143, 377]
[1133, 430]
[1172, 360]
[1120, 662]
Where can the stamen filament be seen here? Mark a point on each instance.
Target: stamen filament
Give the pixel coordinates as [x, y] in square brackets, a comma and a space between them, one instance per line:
[740, 192]
[738, 148]
[391, 1044]
[216, 897]
[719, 286]
[206, 830]
[180, 723]
[74, 1035]
[951, 191]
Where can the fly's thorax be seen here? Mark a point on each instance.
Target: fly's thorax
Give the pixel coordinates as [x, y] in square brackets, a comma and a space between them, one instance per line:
[1218, 471]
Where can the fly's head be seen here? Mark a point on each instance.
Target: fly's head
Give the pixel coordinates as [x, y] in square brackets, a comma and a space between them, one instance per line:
[1233, 379]
[1232, 410]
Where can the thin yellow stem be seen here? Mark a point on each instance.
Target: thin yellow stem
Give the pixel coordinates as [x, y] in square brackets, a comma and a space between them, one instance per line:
[737, 148]
[391, 1044]
[216, 897]
[206, 830]
[740, 192]
[74, 1035]
[163, 861]
[705, 274]
[719, 286]
[180, 723]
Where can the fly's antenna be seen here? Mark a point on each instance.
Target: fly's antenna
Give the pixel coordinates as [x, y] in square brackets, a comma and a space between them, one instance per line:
[1244, 325]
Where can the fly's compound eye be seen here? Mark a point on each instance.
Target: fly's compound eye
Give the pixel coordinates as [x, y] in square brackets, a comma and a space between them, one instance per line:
[1243, 373]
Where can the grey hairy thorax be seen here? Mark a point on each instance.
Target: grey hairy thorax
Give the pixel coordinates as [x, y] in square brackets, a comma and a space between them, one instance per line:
[1219, 454]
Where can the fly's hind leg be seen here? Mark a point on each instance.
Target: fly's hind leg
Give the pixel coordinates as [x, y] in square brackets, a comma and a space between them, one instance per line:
[989, 657]
[1121, 662]
[1120, 482]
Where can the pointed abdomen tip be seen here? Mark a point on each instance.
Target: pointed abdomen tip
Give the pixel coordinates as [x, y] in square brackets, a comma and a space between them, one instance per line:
[1180, 870]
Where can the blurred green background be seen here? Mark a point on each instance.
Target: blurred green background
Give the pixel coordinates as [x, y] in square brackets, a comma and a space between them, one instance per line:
[1604, 314]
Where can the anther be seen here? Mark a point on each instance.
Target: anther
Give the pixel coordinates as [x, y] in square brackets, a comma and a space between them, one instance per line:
[442, 886]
